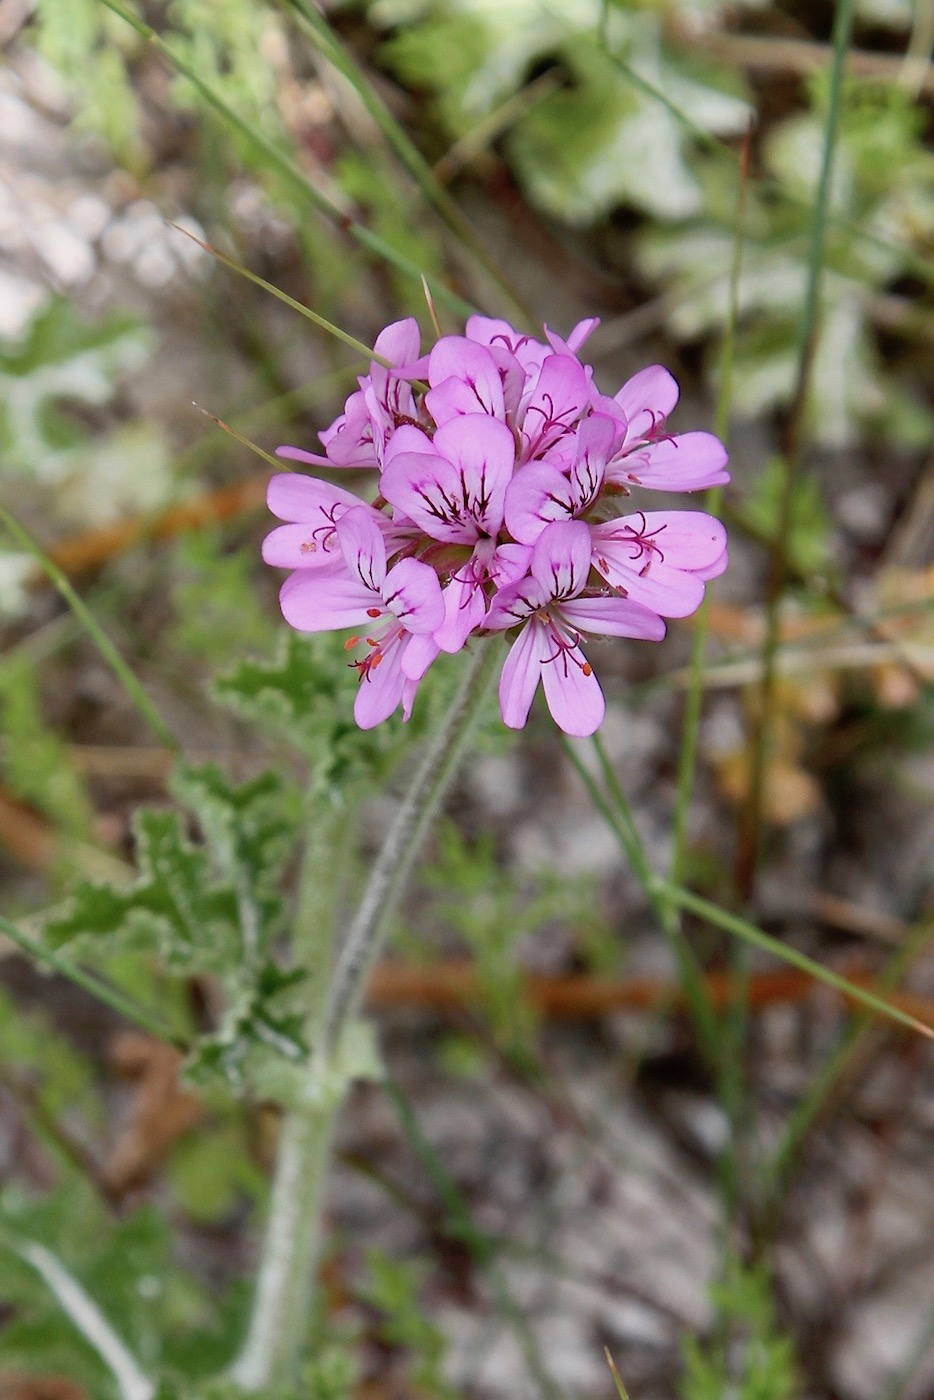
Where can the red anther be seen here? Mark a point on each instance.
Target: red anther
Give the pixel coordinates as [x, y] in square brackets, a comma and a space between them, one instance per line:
[374, 612]
[351, 642]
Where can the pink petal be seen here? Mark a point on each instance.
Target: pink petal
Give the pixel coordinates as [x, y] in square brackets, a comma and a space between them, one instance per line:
[456, 493]
[647, 398]
[295, 547]
[464, 379]
[380, 690]
[714, 570]
[413, 594]
[406, 438]
[315, 600]
[417, 656]
[486, 330]
[613, 617]
[294, 497]
[352, 439]
[660, 558]
[464, 610]
[573, 694]
[514, 603]
[298, 454]
[483, 451]
[561, 558]
[521, 670]
[555, 404]
[688, 462]
[399, 342]
[510, 563]
[538, 494]
[362, 544]
[575, 339]
[669, 592]
[687, 539]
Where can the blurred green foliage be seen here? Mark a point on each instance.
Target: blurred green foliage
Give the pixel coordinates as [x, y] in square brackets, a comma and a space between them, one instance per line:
[632, 123]
[749, 1357]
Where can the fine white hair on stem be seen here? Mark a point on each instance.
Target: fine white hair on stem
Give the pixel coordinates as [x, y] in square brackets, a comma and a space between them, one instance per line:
[87, 1317]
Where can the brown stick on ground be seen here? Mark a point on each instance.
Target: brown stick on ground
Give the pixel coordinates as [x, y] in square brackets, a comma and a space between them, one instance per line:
[94, 547]
[448, 986]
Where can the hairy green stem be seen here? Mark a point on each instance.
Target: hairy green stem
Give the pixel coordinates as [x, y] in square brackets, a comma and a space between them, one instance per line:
[279, 1321]
[403, 841]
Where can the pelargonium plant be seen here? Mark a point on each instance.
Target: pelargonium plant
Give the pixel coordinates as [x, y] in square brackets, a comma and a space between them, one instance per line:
[502, 505]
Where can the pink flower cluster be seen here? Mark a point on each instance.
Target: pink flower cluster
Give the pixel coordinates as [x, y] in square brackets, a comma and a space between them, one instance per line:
[500, 487]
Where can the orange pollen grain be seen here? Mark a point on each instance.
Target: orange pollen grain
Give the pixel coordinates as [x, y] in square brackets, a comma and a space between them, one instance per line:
[351, 642]
[587, 668]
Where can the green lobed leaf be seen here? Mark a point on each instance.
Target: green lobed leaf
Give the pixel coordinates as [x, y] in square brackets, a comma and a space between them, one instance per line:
[176, 904]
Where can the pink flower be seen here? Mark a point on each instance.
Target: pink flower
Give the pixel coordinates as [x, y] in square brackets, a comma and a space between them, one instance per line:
[647, 455]
[552, 612]
[358, 436]
[359, 591]
[500, 489]
[454, 488]
[312, 508]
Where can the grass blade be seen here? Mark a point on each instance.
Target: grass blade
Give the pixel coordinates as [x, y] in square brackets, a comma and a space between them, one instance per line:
[731, 923]
[690, 733]
[617, 1378]
[93, 628]
[614, 808]
[322, 35]
[749, 836]
[284, 163]
[298, 306]
[129, 1010]
[809, 1106]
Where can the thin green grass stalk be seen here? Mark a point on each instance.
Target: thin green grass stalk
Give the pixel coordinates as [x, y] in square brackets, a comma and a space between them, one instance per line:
[467, 147]
[692, 980]
[285, 165]
[730, 1076]
[93, 628]
[616, 812]
[313, 24]
[245, 441]
[690, 731]
[751, 821]
[663, 892]
[832, 1071]
[300, 307]
[721, 918]
[483, 1247]
[129, 1010]
[617, 1378]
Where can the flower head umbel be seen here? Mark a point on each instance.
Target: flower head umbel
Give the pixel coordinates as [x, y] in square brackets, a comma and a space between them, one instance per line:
[501, 505]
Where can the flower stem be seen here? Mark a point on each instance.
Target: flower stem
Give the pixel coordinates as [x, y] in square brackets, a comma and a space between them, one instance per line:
[279, 1321]
[403, 841]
